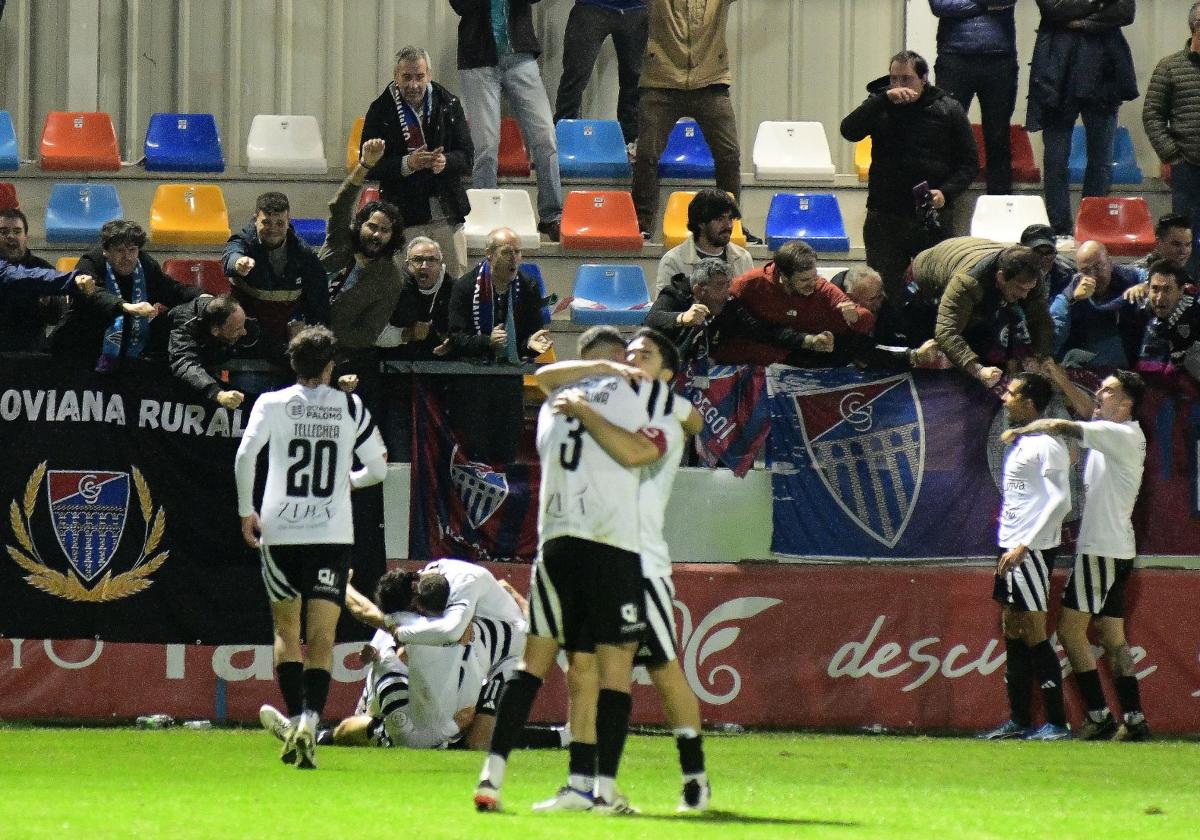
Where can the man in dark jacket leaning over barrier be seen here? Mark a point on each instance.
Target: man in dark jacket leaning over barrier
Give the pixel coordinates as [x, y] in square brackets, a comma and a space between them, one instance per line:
[203, 334]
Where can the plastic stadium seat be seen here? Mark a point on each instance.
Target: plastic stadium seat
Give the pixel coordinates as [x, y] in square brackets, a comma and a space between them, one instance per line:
[8, 197]
[591, 149]
[209, 275]
[83, 141]
[862, 158]
[601, 219]
[687, 154]
[1024, 169]
[183, 143]
[354, 142]
[610, 294]
[814, 217]
[535, 272]
[311, 231]
[793, 151]
[513, 158]
[491, 209]
[675, 228]
[64, 264]
[76, 212]
[1122, 224]
[189, 214]
[1125, 169]
[9, 160]
[1003, 217]
[831, 271]
[285, 143]
[370, 192]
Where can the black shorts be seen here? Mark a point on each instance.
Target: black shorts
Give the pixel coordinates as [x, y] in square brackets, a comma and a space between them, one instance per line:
[1026, 588]
[317, 570]
[585, 593]
[660, 644]
[489, 695]
[1097, 585]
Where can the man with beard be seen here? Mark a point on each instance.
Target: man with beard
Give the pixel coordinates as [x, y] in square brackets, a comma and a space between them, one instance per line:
[711, 214]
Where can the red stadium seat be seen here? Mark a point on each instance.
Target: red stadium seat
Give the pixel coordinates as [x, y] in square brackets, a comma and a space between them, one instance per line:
[370, 192]
[1025, 171]
[209, 275]
[8, 197]
[600, 220]
[513, 159]
[1123, 225]
[79, 141]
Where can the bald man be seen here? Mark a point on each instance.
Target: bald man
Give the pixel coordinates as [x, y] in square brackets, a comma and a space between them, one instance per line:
[1088, 313]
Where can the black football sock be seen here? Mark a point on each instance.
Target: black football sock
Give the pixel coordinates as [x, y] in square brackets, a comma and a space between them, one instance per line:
[1128, 694]
[316, 689]
[612, 725]
[516, 699]
[581, 769]
[691, 755]
[291, 686]
[1049, 676]
[1018, 679]
[1092, 691]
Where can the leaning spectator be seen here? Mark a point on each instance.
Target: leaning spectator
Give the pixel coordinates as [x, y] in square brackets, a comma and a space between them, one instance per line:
[498, 54]
[711, 214]
[992, 311]
[276, 278]
[203, 334]
[789, 292]
[1081, 67]
[25, 317]
[977, 55]
[119, 321]
[21, 288]
[1167, 342]
[1087, 314]
[588, 24]
[691, 310]
[428, 153]
[1057, 269]
[889, 346]
[1172, 242]
[1171, 118]
[923, 157]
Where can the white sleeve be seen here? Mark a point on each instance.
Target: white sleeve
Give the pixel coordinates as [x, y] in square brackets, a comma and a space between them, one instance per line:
[253, 440]
[369, 447]
[1108, 437]
[625, 408]
[448, 627]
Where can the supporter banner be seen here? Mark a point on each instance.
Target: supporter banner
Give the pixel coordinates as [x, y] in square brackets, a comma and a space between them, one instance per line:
[120, 512]
[765, 646]
[732, 401]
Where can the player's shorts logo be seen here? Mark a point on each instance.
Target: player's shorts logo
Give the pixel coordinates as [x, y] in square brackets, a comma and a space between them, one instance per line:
[88, 511]
[481, 488]
[867, 441]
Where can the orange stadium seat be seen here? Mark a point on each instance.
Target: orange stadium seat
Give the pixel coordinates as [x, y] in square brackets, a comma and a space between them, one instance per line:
[209, 275]
[513, 159]
[1123, 225]
[601, 219]
[79, 141]
[354, 143]
[66, 263]
[8, 197]
[675, 228]
[189, 214]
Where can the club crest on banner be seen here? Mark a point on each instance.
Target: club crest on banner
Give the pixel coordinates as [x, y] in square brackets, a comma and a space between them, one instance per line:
[867, 443]
[89, 511]
[481, 489]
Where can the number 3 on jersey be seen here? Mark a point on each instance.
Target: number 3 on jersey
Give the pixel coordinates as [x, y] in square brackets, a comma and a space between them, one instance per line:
[570, 450]
[311, 473]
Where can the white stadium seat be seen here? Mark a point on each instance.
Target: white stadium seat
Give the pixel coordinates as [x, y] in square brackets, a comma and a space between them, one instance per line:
[792, 151]
[1003, 217]
[285, 144]
[491, 209]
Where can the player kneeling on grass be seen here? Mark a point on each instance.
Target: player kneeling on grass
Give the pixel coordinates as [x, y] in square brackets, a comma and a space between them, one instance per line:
[305, 530]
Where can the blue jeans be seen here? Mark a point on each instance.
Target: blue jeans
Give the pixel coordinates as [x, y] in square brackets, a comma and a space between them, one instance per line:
[1100, 125]
[517, 75]
[1185, 200]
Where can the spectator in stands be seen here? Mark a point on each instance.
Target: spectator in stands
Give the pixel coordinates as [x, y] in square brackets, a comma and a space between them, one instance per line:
[686, 74]
[21, 290]
[24, 317]
[919, 136]
[1171, 325]
[1081, 67]
[495, 317]
[711, 214]
[789, 292]
[589, 23]
[1171, 118]
[1087, 314]
[1057, 270]
[276, 278]
[203, 334]
[992, 311]
[977, 55]
[119, 321]
[428, 155]
[889, 346]
[498, 52]
[1172, 242]
[691, 310]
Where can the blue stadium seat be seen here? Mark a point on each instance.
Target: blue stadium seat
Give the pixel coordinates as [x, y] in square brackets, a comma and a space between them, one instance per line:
[687, 154]
[1125, 169]
[535, 273]
[183, 143]
[311, 231]
[76, 212]
[9, 162]
[591, 149]
[814, 217]
[610, 294]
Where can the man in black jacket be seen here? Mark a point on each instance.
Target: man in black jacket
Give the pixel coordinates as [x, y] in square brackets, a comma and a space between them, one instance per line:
[24, 317]
[203, 333]
[428, 155]
[919, 136]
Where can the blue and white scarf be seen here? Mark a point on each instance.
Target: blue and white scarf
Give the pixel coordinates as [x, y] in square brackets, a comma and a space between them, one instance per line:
[114, 335]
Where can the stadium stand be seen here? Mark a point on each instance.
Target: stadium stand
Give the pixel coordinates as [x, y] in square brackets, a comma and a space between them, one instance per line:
[80, 141]
[354, 142]
[10, 161]
[209, 275]
[1024, 169]
[183, 143]
[189, 214]
[1125, 166]
[491, 209]
[535, 272]
[814, 217]
[591, 149]
[675, 228]
[610, 294]
[792, 151]
[8, 196]
[311, 231]
[285, 144]
[512, 161]
[602, 219]
[687, 154]
[862, 158]
[1003, 217]
[1123, 225]
[76, 212]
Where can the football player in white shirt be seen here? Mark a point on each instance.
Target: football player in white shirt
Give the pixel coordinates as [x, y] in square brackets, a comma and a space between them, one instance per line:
[1035, 498]
[586, 588]
[305, 530]
[1095, 591]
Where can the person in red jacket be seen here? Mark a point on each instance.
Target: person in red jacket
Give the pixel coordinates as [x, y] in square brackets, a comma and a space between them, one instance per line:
[788, 292]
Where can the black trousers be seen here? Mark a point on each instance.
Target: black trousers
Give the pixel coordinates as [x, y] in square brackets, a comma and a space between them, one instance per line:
[893, 239]
[993, 78]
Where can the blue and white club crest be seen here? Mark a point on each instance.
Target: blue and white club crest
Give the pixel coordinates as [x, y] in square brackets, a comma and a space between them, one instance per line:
[867, 443]
[481, 489]
[88, 509]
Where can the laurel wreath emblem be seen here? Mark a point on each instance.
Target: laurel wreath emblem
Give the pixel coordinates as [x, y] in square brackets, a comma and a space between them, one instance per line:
[68, 586]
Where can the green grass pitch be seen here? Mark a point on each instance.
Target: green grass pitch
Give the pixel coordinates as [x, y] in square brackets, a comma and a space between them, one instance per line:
[101, 783]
